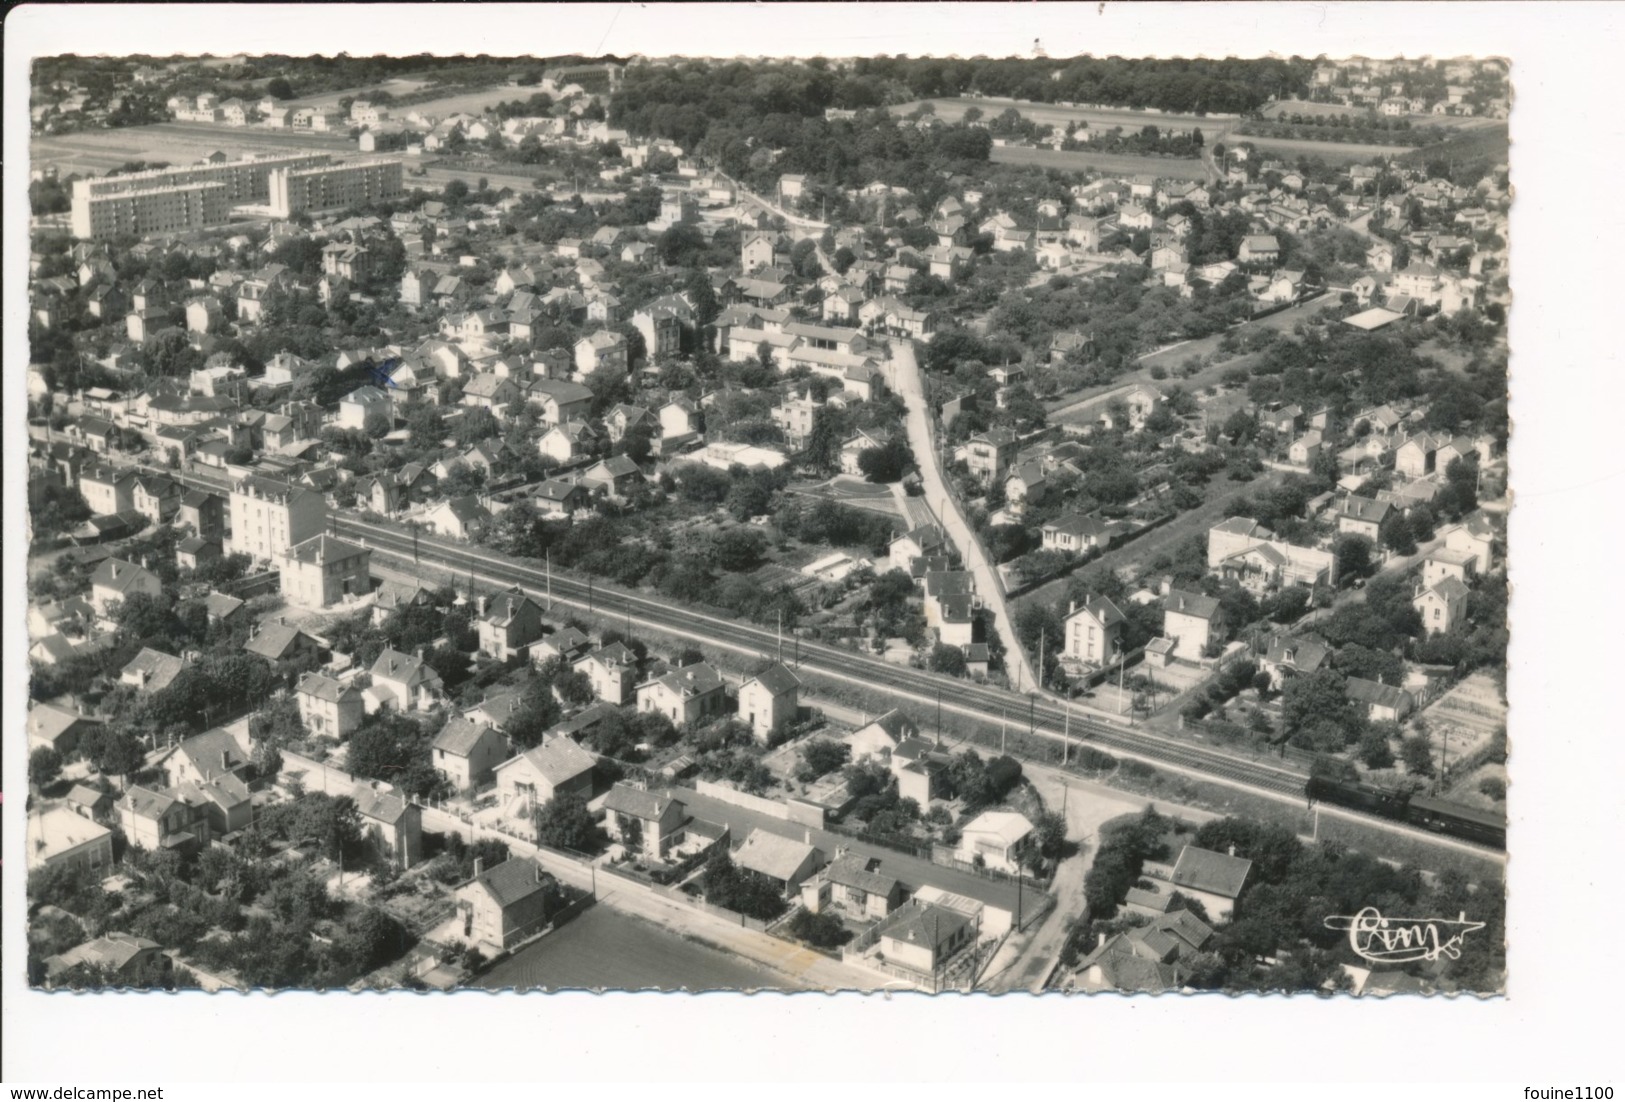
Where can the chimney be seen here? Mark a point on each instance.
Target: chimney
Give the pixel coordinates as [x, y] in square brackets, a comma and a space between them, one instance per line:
[225, 761]
[807, 836]
[1232, 849]
[1100, 940]
[479, 867]
[419, 654]
[1073, 607]
[538, 874]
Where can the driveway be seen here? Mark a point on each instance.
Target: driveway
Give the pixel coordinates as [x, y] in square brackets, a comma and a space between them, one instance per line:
[1086, 806]
[989, 586]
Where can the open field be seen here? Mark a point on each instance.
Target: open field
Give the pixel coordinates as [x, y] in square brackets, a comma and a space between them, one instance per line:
[1115, 163]
[606, 949]
[179, 143]
[951, 109]
[1330, 152]
[1492, 144]
[1323, 110]
[473, 102]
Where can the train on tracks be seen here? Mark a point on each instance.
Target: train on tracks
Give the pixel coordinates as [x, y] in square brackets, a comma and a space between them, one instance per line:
[1487, 828]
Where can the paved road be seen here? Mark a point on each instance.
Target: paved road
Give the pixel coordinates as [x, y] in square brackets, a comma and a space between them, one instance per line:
[989, 586]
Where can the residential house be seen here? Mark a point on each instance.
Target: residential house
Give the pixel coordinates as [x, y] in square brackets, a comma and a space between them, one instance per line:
[535, 777]
[1442, 606]
[785, 862]
[616, 476]
[393, 824]
[1076, 534]
[602, 351]
[1476, 535]
[58, 838]
[155, 820]
[882, 735]
[115, 580]
[1259, 249]
[923, 937]
[768, 701]
[1212, 879]
[612, 671]
[1094, 632]
[854, 883]
[688, 694]
[1447, 563]
[460, 518]
[1288, 656]
[284, 646]
[1305, 449]
[323, 571]
[329, 708]
[1381, 703]
[468, 752]
[404, 682]
[560, 401]
[993, 839]
[59, 728]
[1360, 516]
[151, 671]
[510, 623]
[1194, 622]
[923, 542]
[506, 905]
[990, 454]
[645, 824]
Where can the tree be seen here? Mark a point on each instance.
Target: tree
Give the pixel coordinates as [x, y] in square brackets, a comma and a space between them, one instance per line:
[823, 930]
[377, 425]
[44, 766]
[948, 659]
[1315, 697]
[820, 756]
[1417, 753]
[279, 88]
[888, 462]
[565, 822]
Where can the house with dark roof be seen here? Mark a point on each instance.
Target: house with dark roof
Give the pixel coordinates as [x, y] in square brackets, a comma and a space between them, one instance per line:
[1361, 516]
[687, 694]
[854, 883]
[1287, 656]
[1442, 606]
[116, 580]
[923, 937]
[203, 758]
[1381, 703]
[330, 708]
[404, 682]
[284, 646]
[1194, 622]
[644, 823]
[509, 624]
[616, 476]
[768, 701]
[468, 752]
[559, 766]
[394, 825]
[151, 670]
[1213, 879]
[505, 905]
[323, 571]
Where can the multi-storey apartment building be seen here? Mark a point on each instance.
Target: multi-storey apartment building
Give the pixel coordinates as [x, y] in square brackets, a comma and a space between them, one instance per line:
[333, 186]
[107, 205]
[268, 517]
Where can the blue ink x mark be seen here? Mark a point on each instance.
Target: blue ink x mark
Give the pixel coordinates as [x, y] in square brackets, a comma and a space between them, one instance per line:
[383, 373]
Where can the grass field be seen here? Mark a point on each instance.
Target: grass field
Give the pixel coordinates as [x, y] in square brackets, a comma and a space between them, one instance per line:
[1115, 163]
[606, 949]
[1330, 152]
[1104, 118]
[176, 142]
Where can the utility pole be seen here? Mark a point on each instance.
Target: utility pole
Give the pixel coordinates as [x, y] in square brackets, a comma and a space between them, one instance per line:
[1041, 641]
[781, 631]
[550, 579]
[1066, 734]
[1001, 730]
[939, 717]
[589, 592]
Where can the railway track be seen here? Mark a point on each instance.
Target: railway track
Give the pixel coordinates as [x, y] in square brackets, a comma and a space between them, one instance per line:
[980, 702]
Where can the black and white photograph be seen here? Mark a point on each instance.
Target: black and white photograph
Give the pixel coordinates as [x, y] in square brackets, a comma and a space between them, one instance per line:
[559, 517]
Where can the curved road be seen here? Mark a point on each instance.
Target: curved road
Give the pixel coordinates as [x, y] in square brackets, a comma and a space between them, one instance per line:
[989, 586]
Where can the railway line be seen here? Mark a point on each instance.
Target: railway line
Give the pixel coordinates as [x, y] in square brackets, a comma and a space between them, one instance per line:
[985, 704]
[981, 702]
